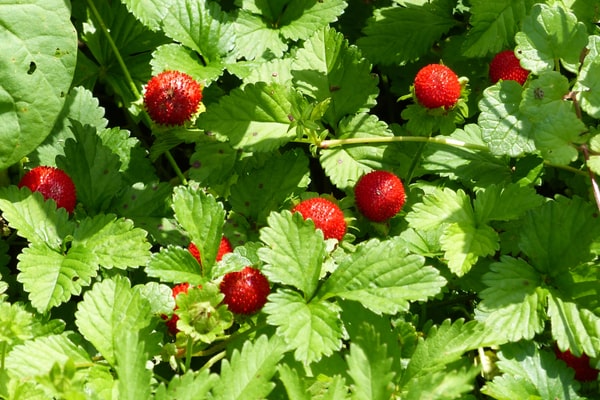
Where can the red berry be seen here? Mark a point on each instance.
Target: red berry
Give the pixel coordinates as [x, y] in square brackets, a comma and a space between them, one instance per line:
[506, 66]
[172, 97]
[583, 371]
[326, 215]
[379, 195]
[437, 86]
[245, 291]
[172, 322]
[224, 248]
[52, 183]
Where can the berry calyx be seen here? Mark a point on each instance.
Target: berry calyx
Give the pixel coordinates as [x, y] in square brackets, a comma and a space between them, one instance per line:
[437, 86]
[52, 183]
[583, 371]
[224, 248]
[172, 97]
[245, 291]
[172, 322]
[506, 66]
[326, 215]
[379, 195]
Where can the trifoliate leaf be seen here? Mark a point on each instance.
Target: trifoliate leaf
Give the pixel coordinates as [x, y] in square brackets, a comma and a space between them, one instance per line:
[202, 217]
[441, 206]
[529, 373]
[383, 277]
[504, 127]
[149, 12]
[256, 118]
[109, 308]
[550, 34]
[463, 244]
[278, 70]
[574, 328]
[472, 167]
[256, 38]
[294, 251]
[494, 25]
[370, 366]
[548, 88]
[202, 314]
[93, 167]
[131, 356]
[114, 243]
[34, 218]
[587, 86]
[446, 344]
[514, 298]
[176, 57]
[559, 235]
[190, 386]
[504, 203]
[312, 330]
[419, 26]
[260, 191]
[36, 357]
[247, 375]
[328, 68]
[201, 26]
[52, 277]
[175, 264]
[345, 164]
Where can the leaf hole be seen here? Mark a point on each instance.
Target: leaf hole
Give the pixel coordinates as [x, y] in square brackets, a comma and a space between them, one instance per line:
[32, 68]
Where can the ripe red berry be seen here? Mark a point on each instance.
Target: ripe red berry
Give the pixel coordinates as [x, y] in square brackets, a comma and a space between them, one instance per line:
[172, 322]
[172, 97]
[437, 86]
[583, 371]
[326, 215]
[52, 183]
[506, 66]
[379, 195]
[224, 248]
[245, 291]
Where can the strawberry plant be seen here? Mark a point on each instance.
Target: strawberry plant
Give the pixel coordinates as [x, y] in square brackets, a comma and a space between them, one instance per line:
[300, 199]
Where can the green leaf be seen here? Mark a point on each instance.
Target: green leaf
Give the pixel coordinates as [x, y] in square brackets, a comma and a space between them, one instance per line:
[176, 57]
[201, 26]
[212, 162]
[36, 358]
[260, 191]
[114, 243]
[494, 25]
[344, 165]
[451, 384]
[441, 206]
[256, 118]
[419, 26]
[202, 217]
[175, 264]
[35, 219]
[301, 18]
[16, 324]
[574, 328]
[504, 203]
[586, 86]
[131, 357]
[39, 53]
[514, 298]
[150, 12]
[109, 308]
[464, 243]
[369, 366]
[93, 167]
[294, 251]
[504, 127]
[248, 374]
[529, 373]
[192, 385]
[446, 344]
[550, 34]
[51, 277]
[256, 38]
[326, 67]
[202, 314]
[301, 387]
[312, 329]
[559, 235]
[383, 277]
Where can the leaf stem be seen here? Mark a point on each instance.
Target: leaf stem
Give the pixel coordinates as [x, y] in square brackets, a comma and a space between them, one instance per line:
[188, 353]
[132, 86]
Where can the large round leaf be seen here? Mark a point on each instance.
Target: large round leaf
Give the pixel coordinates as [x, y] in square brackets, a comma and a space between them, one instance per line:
[37, 62]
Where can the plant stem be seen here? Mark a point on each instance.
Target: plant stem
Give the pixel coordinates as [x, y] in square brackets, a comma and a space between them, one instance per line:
[188, 353]
[132, 86]
[325, 144]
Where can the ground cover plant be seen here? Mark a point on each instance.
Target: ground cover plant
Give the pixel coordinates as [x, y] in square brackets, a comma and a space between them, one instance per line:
[299, 199]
